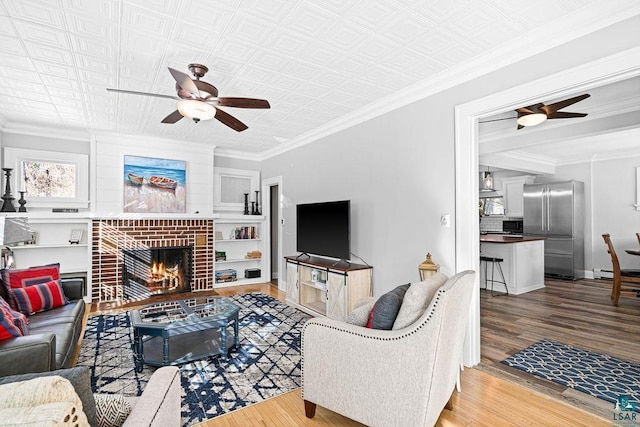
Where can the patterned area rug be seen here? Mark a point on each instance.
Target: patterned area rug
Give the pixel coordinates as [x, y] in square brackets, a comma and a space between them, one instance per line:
[266, 365]
[599, 375]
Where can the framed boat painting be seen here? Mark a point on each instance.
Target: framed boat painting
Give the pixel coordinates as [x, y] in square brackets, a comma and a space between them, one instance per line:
[154, 185]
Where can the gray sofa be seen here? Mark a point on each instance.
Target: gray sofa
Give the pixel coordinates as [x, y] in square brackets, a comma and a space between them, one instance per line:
[53, 336]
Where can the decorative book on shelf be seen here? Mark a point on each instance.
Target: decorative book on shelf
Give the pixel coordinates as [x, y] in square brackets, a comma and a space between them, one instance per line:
[228, 275]
[246, 232]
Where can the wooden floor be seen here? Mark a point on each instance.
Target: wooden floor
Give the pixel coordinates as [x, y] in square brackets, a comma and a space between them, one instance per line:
[578, 313]
[484, 401]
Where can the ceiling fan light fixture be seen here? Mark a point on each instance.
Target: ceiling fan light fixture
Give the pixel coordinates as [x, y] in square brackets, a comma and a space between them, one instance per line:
[196, 110]
[532, 119]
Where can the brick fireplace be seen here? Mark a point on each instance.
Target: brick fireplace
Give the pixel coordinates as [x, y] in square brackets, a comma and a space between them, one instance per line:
[113, 236]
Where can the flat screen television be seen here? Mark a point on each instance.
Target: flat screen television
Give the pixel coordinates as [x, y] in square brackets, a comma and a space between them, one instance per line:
[324, 229]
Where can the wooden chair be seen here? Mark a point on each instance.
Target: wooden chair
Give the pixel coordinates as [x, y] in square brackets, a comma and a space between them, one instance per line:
[621, 278]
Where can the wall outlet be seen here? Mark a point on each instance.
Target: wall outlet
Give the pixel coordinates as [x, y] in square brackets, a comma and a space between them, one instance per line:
[445, 220]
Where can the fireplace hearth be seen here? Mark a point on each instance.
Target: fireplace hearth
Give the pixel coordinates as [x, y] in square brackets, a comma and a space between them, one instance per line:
[156, 271]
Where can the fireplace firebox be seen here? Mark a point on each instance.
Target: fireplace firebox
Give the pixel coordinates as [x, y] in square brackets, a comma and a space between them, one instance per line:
[154, 271]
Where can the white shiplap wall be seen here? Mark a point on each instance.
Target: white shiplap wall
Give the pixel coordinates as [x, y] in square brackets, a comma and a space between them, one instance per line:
[108, 152]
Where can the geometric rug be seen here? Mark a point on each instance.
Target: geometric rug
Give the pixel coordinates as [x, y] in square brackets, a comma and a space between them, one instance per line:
[599, 375]
[267, 363]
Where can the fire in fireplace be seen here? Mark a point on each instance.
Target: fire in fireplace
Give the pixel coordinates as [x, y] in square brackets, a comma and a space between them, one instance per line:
[153, 271]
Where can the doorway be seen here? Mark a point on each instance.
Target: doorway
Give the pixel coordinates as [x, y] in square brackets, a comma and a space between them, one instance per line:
[596, 73]
[272, 189]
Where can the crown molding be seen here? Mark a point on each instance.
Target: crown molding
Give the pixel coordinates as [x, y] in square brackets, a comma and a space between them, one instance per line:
[45, 131]
[583, 22]
[236, 154]
[106, 136]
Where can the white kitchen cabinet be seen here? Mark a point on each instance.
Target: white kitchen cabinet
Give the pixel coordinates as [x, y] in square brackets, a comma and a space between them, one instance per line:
[523, 265]
[513, 195]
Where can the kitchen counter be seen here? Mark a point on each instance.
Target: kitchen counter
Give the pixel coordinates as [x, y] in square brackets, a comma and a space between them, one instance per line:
[523, 261]
[506, 238]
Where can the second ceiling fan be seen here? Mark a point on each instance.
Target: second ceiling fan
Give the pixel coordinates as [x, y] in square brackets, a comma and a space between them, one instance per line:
[198, 100]
[538, 113]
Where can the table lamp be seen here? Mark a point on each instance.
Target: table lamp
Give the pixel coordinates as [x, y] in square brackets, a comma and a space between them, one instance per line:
[428, 268]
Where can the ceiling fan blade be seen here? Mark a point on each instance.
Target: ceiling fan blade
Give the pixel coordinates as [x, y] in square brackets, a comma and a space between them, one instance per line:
[133, 92]
[185, 82]
[520, 126]
[524, 111]
[561, 104]
[566, 115]
[172, 118]
[230, 121]
[243, 102]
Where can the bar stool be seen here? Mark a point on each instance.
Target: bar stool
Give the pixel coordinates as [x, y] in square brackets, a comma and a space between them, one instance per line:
[493, 262]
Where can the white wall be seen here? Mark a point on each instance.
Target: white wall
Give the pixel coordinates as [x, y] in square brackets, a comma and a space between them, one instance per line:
[109, 154]
[235, 163]
[614, 193]
[396, 194]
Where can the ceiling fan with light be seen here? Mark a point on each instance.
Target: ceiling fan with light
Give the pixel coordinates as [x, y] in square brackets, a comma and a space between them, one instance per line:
[199, 100]
[535, 114]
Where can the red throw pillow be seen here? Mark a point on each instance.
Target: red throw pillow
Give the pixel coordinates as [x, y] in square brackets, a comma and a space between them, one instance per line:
[20, 278]
[12, 323]
[44, 296]
[370, 321]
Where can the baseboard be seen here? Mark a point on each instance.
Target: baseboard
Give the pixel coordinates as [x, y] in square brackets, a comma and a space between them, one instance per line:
[599, 273]
[588, 274]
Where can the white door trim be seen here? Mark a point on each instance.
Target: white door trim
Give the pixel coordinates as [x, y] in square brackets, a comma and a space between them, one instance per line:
[606, 70]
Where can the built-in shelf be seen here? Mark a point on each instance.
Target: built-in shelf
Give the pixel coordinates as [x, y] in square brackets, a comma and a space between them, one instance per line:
[228, 261]
[235, 252]
[20, 247]
[51, 234]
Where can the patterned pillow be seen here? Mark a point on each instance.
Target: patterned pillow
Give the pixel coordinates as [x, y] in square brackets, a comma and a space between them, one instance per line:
[45, 296]
[12, 323]
[20, 278]
[112, 410]
[360, 315]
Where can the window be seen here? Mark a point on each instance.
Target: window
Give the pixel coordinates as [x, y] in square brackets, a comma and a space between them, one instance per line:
[50, 179]
[230, 187]
[492, 206]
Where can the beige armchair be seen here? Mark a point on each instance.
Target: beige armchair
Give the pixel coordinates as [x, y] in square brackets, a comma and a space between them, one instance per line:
[402, 377]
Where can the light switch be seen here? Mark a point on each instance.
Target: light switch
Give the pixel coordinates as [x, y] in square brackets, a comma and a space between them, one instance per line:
[445, 220]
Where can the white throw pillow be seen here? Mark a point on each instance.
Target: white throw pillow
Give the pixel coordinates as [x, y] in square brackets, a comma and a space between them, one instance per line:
[42, 401]
[56, 414]
[416, 300]
[360, 315]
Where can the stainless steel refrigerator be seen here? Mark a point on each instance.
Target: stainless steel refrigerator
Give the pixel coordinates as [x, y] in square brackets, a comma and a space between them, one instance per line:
[555, 211]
